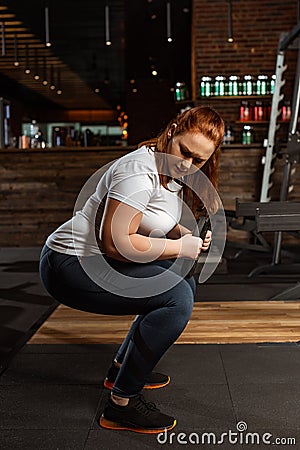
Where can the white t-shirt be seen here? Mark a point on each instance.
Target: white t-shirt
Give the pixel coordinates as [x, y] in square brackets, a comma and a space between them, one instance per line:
[132, 179]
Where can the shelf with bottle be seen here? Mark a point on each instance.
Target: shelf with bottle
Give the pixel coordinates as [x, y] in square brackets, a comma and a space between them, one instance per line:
[246, 136]
[200, 100]
[254, 119]
[235, 86]
[260, 111]
[70, 134]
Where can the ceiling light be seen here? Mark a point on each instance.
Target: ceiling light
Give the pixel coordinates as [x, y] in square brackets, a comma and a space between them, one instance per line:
[47, 34]
[154, 73]
[52, 85]
[107, 32]
[169, 36]
[59, 90]
[230, 33]
[16, 61]
[27, 69]
[45, 81]
[36, 68]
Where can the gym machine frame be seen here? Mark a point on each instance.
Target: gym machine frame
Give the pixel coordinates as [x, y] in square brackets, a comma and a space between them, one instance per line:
[283, 221]
[291, 153]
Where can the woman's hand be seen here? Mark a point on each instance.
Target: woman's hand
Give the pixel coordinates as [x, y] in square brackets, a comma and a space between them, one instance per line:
[207, 241]
[190, 247]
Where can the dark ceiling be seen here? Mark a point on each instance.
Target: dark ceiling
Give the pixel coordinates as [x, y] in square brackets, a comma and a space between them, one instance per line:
[78, 51]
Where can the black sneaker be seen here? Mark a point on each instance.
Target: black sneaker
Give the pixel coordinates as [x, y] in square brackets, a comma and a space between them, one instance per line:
[139, 416]
[154, 380]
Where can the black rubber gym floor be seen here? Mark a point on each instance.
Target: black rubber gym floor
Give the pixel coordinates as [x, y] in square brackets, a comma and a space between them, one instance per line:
[51, 396]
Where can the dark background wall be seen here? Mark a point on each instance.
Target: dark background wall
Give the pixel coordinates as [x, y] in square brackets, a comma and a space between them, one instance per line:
[257, 26]
[147, 47]
[199, 47]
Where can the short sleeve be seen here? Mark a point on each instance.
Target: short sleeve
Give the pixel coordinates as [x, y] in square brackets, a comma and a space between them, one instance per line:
[132, 183]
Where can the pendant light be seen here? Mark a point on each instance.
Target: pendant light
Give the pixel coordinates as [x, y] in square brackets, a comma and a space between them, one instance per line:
[52, 85]
[27, 68]
[16, 56]
[169, 34]
[47, 29]
[107, 31]
[59, 90]
[230, 32]
[36, 75]
[45, 81]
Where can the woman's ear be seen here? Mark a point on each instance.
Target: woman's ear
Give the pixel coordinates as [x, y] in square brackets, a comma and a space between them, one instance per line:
[171, 130]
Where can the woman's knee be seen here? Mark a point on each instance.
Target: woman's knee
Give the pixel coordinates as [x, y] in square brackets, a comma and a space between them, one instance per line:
[182, 299]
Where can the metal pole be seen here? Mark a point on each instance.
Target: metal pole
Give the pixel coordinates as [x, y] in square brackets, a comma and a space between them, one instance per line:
[269, 156]
[291, 152]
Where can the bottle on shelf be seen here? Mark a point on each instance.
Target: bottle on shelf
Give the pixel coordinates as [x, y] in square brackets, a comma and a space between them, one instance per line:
[206, 88]
[24, 141]
[219, 85]
[59, 136]
[245, 111]
[262, 85]
[180, 91]
[228, 136]
[33, 134]
[258, 111]
[247, 85]
[233, 85]
[286, 111]
[247, 135]
[87, 137]
[272, 84]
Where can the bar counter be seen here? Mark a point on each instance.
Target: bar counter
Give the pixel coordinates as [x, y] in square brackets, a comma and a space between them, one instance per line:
[39, 187]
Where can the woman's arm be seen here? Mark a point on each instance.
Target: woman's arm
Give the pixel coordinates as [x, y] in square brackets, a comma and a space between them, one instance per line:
[121, 241]
[178, 231]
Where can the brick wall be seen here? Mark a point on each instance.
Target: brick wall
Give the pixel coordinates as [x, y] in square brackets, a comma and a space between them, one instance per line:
[257, 25]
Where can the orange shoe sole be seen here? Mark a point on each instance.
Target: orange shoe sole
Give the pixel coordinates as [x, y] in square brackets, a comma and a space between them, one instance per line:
[117, 426]
[110, 385]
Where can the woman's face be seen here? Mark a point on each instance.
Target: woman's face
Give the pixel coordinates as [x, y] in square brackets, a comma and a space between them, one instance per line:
[193, 149]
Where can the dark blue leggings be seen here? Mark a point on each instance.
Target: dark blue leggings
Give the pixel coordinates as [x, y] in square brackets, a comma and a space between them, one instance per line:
[160, 319]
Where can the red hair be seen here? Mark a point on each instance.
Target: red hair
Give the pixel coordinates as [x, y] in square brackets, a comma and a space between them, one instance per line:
[201, 119]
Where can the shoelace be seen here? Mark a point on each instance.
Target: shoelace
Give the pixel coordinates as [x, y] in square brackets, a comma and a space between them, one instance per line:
[145, 407]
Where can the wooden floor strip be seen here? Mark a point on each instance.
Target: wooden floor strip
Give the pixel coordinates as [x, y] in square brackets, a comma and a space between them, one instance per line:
[211, 323]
